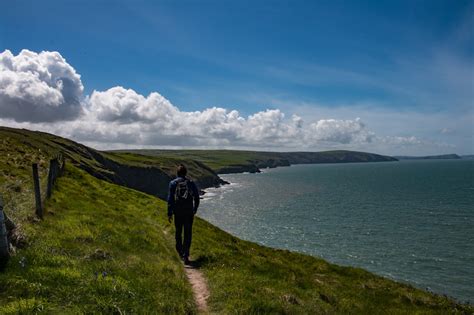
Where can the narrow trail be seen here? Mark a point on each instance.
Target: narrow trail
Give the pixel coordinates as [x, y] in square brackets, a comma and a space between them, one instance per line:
[199, 286]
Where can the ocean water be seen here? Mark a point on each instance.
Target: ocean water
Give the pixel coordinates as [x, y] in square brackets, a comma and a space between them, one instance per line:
[412, 221]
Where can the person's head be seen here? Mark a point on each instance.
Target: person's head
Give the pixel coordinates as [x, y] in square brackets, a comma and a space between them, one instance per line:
[181, 171]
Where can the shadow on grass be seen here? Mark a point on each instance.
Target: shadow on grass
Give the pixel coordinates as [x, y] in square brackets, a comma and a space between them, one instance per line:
[3, 264]
[201, 261]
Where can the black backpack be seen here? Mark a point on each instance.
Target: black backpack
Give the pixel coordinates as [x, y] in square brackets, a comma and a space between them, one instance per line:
[183, 195]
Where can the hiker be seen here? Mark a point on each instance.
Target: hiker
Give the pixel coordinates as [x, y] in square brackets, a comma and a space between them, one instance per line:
[183, 202]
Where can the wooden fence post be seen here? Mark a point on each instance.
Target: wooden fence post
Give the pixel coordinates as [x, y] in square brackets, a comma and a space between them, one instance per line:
[52, 174]
[63, 166]
[4, 252]
[39, 207]
[49, 186]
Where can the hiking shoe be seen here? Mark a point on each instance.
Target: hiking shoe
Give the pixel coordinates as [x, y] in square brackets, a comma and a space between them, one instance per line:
[186, 260]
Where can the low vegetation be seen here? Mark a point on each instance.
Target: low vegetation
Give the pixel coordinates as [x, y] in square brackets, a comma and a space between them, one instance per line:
[231, 161]
[105, 248]
[247, 278]
[101, 249]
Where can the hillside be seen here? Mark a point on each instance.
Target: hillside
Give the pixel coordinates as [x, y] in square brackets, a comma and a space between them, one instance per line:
[105, 248]
[231, 161]
[431, 157]
[147, 174]
[100, 249]
[150, 171]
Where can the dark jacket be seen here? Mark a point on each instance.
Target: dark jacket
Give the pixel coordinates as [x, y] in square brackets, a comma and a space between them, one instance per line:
[172, 189]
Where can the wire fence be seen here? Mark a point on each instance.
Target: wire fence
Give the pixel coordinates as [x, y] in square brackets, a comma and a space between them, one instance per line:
[55, 170]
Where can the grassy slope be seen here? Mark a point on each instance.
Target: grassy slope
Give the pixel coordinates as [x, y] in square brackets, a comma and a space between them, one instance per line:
[93, 226]
[102, 248]
[215, 159]
[167, 164]
[20, 147]
[221, 160]
[17, 142]
[16, 183]
[247, 278]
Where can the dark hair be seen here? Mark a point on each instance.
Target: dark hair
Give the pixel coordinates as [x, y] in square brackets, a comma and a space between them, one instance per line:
[181, 171]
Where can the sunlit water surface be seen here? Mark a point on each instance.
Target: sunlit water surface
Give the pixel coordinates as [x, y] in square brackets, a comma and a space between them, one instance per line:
[412, 221]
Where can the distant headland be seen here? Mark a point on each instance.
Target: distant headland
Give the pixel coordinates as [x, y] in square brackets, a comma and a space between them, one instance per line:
[451, 156]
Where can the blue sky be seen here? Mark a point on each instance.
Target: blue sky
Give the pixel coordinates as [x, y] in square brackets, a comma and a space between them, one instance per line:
[405, 68]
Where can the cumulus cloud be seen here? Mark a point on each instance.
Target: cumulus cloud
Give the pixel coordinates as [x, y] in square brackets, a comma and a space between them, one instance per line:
[42, 91]
[38, 87]
[125, 106]
[156, 121]
[341, 131]
[401, 140]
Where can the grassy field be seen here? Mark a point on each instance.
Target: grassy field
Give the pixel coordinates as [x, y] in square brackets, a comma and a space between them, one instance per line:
[104, 248]
[19, 148]
[246, 278]
[167, 164]
[215, 159]
[101, 249]
[231, 161]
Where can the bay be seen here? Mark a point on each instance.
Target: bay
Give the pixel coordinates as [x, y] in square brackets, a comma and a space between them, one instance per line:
[412, 221]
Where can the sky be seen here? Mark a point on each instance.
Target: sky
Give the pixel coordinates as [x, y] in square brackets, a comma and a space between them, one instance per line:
[390, 77]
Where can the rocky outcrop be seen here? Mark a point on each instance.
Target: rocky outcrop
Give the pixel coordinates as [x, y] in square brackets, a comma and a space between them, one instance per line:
[272, 163]
[233, 169]
[148, 179]
[253, 166]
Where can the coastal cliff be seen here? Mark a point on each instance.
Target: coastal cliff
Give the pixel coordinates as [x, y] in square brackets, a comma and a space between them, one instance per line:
[146, 174]
[233, 161]
[115, 244]
[150, 171]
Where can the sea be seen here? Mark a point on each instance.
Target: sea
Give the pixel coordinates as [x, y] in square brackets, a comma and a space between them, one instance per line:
[411, 221]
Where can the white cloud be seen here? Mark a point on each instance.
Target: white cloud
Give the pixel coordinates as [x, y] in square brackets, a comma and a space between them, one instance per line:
[157, 122]
[43, 92]
[446, 131]
[401, 140]
[38, 87]
[341, 131]
[125, 106]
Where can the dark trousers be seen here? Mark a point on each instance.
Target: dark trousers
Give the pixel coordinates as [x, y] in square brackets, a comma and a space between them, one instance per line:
[183, 221]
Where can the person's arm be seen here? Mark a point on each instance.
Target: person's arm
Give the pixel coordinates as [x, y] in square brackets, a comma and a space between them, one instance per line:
[196, 197]
[171, 191]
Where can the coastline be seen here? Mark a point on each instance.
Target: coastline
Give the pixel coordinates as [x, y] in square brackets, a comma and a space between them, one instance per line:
[255, 169]
[238, 271]
[387, 273]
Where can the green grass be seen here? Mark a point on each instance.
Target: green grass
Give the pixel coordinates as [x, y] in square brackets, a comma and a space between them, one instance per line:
[102, 248]
[246, 278]
[223, 161]
[92, 227]
[16, 183]
[19, 148]
[168, 164]
[215, 159]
